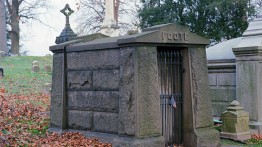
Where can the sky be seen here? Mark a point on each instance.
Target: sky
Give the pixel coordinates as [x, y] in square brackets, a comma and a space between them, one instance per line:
[36, 37]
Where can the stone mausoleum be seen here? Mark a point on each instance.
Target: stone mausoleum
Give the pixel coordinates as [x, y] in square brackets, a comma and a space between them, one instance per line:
[145, 90]
[235, 73]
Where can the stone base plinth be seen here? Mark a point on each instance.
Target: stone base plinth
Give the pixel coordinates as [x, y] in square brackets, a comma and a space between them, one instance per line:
[134, 142]
[206, 137]
[236, 136]
[255, 127]
[116, 140]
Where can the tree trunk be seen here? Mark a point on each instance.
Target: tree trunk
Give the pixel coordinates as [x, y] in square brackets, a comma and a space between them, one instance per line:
[15, 32]
[3, 38]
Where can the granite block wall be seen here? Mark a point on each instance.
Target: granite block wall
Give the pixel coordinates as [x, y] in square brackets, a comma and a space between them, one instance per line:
[222, 83]
[93, 90]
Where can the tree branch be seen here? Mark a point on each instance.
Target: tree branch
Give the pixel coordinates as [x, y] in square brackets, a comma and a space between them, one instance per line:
[19, 2]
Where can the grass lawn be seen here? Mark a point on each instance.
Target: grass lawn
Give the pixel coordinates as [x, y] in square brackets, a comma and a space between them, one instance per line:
[18, 76]
[24, 107]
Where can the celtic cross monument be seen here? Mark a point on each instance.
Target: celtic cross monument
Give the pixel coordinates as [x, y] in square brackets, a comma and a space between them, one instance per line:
[67, 33]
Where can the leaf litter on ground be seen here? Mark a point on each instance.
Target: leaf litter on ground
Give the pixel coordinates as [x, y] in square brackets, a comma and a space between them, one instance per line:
[24, 120]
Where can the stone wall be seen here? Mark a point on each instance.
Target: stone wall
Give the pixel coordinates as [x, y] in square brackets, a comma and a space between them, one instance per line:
[93, 90]
[222, 83]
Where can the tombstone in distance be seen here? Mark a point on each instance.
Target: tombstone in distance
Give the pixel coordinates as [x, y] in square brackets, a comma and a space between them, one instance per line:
[47, 68]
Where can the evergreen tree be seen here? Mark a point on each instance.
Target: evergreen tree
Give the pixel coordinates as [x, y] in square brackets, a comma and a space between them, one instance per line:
[217, 20]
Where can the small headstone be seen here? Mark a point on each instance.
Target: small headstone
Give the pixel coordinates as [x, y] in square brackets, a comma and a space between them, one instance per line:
[2, 54]
[47, 88]
[1, 72]
[235, 122]
[47, 68]
[35, 63]
[35, 68]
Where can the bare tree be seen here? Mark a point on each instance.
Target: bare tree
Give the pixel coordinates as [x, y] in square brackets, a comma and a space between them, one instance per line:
[3, 38]
[91, 15]
[21, 11]
[259, 3]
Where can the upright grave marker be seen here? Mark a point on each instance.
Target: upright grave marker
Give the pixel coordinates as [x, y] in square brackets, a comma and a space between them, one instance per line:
[109, 26]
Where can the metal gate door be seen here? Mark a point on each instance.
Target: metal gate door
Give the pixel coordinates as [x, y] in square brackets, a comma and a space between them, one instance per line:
[170, 80]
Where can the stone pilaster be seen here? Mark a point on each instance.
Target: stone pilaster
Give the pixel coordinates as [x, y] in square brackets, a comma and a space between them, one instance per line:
[249, 72]
[139, 109]
[57, 90]
[198, 125]
[249, 83]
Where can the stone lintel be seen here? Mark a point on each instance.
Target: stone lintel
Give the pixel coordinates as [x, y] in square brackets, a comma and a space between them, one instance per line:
[236, 136]
[247, 51]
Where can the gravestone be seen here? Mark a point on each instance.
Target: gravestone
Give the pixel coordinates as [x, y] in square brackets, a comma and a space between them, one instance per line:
[235, 122]
[47, 68]
[67, 33]
[35, 63]
[1, 72]
[2, 54]
[47, 87]
[35, 68]
[109, 87]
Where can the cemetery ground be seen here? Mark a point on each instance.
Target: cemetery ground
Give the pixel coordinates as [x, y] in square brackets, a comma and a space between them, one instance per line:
[25, 104]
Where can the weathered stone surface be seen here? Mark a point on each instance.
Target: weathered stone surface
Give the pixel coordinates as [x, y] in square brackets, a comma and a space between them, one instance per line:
[206, 137]
[235, 122]
[35, 63]
[219, 107]
[125, 141]
[56, 93]
[47, 68]
[223, 94]
[201, 93]
[126, 92]
[212, 78]
[247, 90]
[226, 79]
[101, 101]
[35, 68]
[99, 59]
[79, 80]
[106, 122]
[80, 119]
[146, 142]
[147, 94]
[106, 79]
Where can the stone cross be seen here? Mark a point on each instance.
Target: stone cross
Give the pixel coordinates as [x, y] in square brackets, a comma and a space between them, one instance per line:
[67, 11]
[67, 33]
